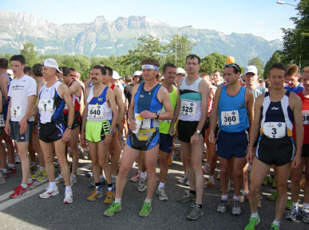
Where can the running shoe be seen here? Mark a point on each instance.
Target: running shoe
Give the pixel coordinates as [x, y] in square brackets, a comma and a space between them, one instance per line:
[49, 193]
[195, 213]
[161, 194]
[109, 198]
[292, 215]
[95, 195]
[68, 197]
[221, 208]
[36, 174]
[253, 222]
[59, 179]
[183, 179]
[43, 176]
[236, 209]
[274, 227]
[113, 209]
[304, 214]
[146, 209]
[187, 197]
[18, 191]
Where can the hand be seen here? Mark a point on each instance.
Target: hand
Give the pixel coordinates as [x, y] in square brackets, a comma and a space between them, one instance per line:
[108, 139]
[132, 124]
[211, 137]
[82, 139]
[146, 114]
[195, 138]
[23, 126]
[296, 161]
[171, 131]
[66, 136]
[7, 129]
[250, 155]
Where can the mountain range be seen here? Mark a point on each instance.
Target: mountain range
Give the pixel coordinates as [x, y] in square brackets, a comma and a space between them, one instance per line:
[104, 38]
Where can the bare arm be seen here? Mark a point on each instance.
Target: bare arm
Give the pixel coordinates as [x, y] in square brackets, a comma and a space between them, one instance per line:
[65, 94]
[204, 90]
[4, 87]
[112, 102]
[250, 107]
[120, 104]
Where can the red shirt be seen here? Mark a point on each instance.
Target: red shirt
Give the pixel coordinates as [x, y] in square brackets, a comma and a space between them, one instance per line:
[305, 112]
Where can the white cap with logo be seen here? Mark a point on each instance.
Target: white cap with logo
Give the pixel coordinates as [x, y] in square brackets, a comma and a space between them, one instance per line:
[50, 62]
[137, 73]
[251, 69]
[180, 70]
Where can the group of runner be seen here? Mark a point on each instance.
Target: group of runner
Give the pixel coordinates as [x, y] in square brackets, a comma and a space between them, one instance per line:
[247, 127]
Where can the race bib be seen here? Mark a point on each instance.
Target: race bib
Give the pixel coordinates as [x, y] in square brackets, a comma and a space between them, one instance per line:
[230, 118]
[306, 117]
[274, 129]
[46, 105]
[95, 112]
[16, 111]
[2, 124]
[188, 108]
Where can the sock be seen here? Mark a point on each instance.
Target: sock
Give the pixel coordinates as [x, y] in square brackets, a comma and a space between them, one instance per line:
[110, 187]
[143, 175]
[10, 166]
[68, 188]
[98, 186]
[24, 185]
[161, 185]
[224, 197]
[148, 201]
[254, 215]
[276, 222]
[52, 185]
[235, 197]
[118, 200]
[306, 206]
[29, 180]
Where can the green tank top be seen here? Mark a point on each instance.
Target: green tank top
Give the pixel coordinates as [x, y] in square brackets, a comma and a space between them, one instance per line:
[164, 126]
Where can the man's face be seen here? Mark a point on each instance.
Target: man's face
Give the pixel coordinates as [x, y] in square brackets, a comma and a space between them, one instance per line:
[17, 67]
[48, 72]
[306, 80]
[251, 79]
[170, 75]
[149, 74]
[230, 76]
[291, 81]
[71, 75]
[216, 78]
[192, 66]
[95, 76]
[276, 78]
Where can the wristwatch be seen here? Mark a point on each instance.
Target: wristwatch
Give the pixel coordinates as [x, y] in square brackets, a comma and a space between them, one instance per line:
[157, 116]
[198, 132]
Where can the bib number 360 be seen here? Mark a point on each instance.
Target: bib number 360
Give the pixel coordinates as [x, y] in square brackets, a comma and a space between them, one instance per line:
[230, 117]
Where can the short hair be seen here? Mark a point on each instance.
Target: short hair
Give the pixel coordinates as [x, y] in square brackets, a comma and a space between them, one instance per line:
[277, 65]
[71, 70]
[291, 70]
[19, 58]
[236, 67]
[167, 65]
[109, 71]
[306, 69]
[37, 70]
[4, 63]
[64, 70]
[151, 61]
[128, 78]
[193, 56]
[101, 68]
[27, 70]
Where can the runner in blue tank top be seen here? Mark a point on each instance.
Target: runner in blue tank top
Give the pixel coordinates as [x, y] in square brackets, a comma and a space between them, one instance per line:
[276, 114]
[234, 108]
[147, 100]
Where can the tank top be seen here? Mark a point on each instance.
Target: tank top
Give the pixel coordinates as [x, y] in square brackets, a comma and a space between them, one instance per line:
[164, 125]
[277, 117]
[191, 100]
[98, 109]
[146, 100]
[51, 105]
[75, 102]
[233, 115]
[305, 112]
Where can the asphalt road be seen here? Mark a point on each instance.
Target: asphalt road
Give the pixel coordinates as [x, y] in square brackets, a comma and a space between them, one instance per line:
[30, 212]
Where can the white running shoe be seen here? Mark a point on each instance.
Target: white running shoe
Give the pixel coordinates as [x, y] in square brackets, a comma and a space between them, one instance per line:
[68, 197]
[49, 193]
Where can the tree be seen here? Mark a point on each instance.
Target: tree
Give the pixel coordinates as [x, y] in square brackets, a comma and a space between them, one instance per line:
[29, 53]
[277, 56]
[213, 62]
[258, 63]
[296, 41]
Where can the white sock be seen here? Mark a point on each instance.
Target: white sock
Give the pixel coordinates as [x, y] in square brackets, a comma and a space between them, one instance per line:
[143, 175]
[161, 185]
[52, 185]
[224, 197]
[148, 201]
[110, 188]
[118, 200]
[24, 185]
[68, 188]
[254, 215]
[276, 222]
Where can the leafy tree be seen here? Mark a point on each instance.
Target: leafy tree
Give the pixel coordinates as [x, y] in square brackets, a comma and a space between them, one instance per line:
[277, 56]
[213, 62]
[29, 53]
[296, 41]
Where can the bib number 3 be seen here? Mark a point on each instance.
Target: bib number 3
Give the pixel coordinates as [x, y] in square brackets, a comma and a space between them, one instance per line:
[274, 129]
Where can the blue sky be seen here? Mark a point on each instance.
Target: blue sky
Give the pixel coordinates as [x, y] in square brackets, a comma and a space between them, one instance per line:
[260, 17]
